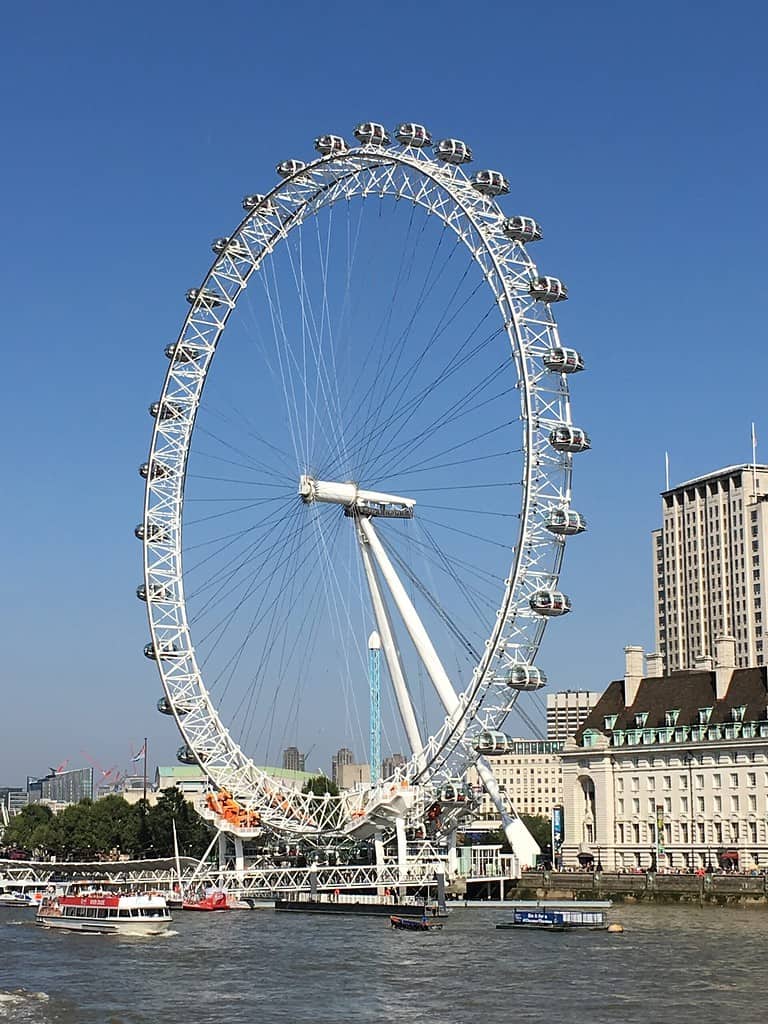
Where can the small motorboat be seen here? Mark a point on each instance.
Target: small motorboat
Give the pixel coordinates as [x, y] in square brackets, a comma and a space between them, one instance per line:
[209, 901]
[414, 924]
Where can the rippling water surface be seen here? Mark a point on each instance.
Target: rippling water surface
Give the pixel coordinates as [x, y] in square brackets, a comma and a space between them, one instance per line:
[704, 966]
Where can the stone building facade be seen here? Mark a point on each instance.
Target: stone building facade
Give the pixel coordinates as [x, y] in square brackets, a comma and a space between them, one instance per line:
[671, 770]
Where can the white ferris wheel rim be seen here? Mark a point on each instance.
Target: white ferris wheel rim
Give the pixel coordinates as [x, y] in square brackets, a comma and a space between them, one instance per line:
[445, 192]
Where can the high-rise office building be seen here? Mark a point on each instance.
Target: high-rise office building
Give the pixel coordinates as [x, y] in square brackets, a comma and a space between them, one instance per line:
[342, 756]
[294, 760]
[566, 711]
[710, 560]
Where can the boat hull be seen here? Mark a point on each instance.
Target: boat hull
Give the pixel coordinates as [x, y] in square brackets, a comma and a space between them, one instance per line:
[352, 909]
[135, 927]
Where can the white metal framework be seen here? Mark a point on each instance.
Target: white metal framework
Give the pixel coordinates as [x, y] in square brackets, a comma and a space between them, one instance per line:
[468, 208]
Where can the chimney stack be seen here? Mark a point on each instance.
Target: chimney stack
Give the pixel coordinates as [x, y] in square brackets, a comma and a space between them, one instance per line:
[655, 663]
[725, 663]
[633, 673]
[703, 663]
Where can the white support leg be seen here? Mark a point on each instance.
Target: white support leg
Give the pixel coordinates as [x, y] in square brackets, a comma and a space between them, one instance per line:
[384, 626]
[523, 845]
[413, 623]
[239, 859]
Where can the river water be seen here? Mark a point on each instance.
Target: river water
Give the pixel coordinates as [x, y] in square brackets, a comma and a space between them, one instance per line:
[672, 965]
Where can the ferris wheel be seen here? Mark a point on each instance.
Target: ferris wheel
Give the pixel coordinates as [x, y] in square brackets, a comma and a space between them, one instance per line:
[365, 422]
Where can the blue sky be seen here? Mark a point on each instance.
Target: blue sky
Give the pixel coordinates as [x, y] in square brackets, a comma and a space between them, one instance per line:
[633, 134]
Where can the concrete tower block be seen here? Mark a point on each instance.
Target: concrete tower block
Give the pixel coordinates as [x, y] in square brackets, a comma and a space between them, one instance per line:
[725, 663]
[633, 673]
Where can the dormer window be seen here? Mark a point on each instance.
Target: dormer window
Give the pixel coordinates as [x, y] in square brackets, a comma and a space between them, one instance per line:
[737, 714]
[704, 714]
[670, 717]
[590, 735]
[641, 719]
[610, 721]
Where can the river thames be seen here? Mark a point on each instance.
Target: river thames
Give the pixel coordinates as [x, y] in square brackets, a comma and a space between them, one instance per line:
[671, 964]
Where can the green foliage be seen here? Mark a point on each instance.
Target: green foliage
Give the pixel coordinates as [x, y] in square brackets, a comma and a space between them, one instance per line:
[320, 785]
[108, 828]
[540, 828]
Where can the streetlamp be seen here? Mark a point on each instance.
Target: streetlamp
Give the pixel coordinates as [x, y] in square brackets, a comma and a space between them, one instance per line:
[709, 868]
[599, 865]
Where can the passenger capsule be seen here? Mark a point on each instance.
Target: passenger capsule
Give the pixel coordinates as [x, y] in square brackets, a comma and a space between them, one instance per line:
[565, 522]
[525, 677]
[165, 410]
[493, 742]
[164, 707]
[563, 360]
[203, 297]
[231, 246]
[252, 201]
[413, 135]
[550, 603]
[165, 651]
[548, 289]
[181, 353]
[157, 592]
[453, 151]
[288, 168]
[327, 144]
[154, 533]
[522, 229]
[159, 470]
[490, 183]
[371, 134]
[569, 439]
[186, 755]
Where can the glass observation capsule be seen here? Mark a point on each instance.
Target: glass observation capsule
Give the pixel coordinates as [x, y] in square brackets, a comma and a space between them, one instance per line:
[522, 229]
[289, 167]
[550, 603]
[153, 533]
[185, 755]
[157, 592]
[163, 651]
[548, 289]
[525, 677]
[563, 360]
[369, 133]
[328, 144]
[181, 353]
[231, 246]
[165, 410]
[158, 470]
[203, 297]
[569, 439]
[493, 742]
[490, 183]
[164, 707]
[453, 151]
[413, 135]
[565, 522]
[252, 201]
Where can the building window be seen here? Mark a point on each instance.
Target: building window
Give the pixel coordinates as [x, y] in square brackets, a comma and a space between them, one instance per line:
[716, 781]
[718, 804]
[734, 780]
[667, 782]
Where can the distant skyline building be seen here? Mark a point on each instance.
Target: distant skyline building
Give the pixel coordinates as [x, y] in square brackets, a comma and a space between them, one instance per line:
[567, 710]
[710, 564]
[68, 787]
[342, 756]
[350, 775]
[390, 764]
[294, 760]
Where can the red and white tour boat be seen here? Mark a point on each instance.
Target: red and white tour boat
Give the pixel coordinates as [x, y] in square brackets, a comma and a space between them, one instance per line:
[108, 912]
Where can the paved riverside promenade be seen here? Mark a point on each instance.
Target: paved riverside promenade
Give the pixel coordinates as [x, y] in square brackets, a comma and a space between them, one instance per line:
[643, 887]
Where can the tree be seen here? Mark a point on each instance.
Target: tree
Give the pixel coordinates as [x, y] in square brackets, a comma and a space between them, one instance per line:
[540, 828]
[22, 827]
[193, 834]
[319, 785]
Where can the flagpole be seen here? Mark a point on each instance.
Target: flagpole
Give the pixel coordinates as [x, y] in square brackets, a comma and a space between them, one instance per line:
[754, 464]
[666, 469]
[145, 770]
